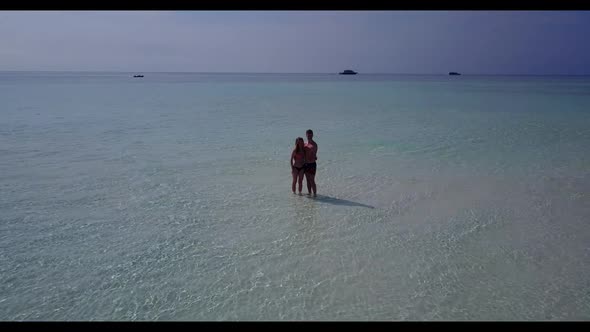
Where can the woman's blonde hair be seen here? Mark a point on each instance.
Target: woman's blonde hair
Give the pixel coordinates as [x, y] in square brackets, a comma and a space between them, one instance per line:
[297, 149]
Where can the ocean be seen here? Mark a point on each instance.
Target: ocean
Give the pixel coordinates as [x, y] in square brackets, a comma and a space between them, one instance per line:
[169, 197]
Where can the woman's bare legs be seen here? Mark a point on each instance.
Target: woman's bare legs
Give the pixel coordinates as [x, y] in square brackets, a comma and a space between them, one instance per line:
[295, 174]
[300, 180]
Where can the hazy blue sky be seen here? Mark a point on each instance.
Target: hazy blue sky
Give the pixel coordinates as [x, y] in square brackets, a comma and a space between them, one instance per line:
[486, 42]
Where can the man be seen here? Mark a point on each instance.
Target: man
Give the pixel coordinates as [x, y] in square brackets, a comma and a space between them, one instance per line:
[311, 150]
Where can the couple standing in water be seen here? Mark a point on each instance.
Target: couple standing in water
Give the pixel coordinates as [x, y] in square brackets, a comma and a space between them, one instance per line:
[303, 160]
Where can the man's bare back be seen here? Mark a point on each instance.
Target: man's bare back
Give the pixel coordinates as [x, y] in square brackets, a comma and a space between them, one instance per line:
[311, 150]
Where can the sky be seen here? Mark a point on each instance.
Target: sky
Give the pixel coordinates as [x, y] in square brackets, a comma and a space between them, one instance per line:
[412, 42]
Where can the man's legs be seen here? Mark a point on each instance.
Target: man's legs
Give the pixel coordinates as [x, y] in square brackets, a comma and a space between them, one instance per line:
[310, 177]
[312, 181]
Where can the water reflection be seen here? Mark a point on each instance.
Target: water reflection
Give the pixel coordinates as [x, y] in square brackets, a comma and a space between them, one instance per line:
[305, 210]
[307, 224]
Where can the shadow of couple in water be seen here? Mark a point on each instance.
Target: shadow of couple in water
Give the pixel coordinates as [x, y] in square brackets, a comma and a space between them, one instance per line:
[338, 201]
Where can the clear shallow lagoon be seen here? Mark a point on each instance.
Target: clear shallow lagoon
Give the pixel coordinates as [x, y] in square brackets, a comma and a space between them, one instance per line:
[168, 197]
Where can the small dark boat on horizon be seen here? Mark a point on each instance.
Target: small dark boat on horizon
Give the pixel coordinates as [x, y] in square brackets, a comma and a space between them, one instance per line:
[348, 72]
[137, 75]
[453, 73]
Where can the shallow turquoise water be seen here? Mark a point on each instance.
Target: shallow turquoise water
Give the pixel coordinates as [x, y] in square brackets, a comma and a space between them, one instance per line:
[168, 197]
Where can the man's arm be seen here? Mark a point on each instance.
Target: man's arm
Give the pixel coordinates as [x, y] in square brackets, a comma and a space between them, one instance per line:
[316, 151]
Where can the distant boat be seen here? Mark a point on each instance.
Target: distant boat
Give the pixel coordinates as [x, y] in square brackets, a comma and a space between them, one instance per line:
[454, 73]
[348, 72]
[137, 75]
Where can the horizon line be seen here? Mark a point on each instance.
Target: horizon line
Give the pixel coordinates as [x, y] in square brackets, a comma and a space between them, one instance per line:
[283, 73]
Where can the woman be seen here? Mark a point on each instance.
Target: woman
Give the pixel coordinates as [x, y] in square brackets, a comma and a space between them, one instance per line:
[297, 162]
